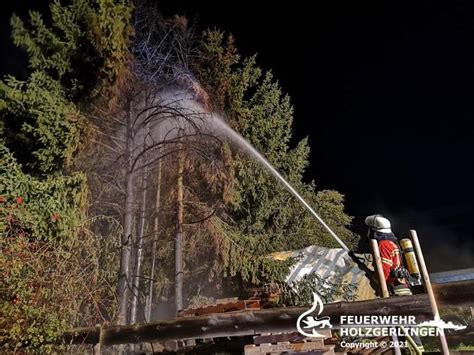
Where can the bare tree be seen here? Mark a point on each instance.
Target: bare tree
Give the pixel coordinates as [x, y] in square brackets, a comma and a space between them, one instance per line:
[139, 249]
[154, 116]
[156, 226]
[125, 255]
[179, 232]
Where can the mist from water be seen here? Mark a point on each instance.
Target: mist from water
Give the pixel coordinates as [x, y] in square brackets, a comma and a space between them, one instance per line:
[206, 121]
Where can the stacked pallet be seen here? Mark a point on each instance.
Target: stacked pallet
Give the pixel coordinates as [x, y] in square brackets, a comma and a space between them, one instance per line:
[223, 305]
[289, 344]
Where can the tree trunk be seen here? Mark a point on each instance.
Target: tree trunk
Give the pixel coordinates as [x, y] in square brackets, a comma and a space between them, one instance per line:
[139, 254]
[156, 226]
[126, 250]
[179, 234]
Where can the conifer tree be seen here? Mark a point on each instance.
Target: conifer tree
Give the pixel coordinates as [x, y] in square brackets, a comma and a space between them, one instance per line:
[80, 54]
[87, 75]
[56, 265]
[265, 217]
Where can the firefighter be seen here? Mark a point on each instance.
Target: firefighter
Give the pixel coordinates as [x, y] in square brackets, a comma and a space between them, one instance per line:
[396, 276]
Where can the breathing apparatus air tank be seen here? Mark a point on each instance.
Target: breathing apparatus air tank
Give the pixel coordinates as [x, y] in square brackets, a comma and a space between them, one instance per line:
[411, 262]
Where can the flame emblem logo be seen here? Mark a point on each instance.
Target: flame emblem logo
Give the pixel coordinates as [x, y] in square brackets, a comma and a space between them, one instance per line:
[313, 322]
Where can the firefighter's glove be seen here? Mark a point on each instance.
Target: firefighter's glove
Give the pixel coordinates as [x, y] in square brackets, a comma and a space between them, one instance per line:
[400, 273]
[395, 273]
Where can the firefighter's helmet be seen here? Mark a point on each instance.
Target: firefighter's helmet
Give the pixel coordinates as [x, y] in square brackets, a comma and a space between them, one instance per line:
[378, 223]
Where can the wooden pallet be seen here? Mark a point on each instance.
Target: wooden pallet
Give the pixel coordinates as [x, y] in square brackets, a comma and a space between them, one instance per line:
[222, 306]
[288, 343]
[305, 347]
[278, 338]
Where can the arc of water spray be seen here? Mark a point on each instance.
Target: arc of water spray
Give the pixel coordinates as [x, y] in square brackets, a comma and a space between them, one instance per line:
[241, 140]
[219, 123]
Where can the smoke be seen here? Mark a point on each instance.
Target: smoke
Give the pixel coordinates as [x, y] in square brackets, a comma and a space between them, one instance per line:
[445, 245]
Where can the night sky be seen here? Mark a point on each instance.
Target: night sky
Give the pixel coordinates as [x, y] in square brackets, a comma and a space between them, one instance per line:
[384, 91]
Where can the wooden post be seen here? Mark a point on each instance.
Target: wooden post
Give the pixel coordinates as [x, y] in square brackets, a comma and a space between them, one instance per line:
[428, 288]
[374, 246]
[97, 350]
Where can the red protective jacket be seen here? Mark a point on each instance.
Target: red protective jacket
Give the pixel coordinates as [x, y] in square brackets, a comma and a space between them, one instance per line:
[391, 258]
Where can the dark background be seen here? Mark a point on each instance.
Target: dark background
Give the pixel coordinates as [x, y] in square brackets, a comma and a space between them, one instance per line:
[384, 90]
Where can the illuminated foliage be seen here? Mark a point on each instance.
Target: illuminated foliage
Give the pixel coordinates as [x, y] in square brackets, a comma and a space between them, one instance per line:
[54, 271]
[265, 217]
